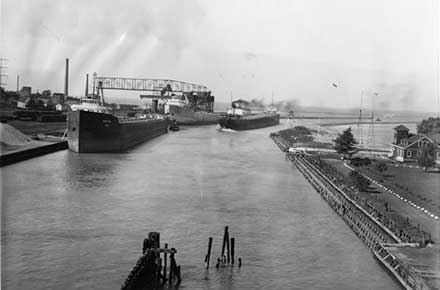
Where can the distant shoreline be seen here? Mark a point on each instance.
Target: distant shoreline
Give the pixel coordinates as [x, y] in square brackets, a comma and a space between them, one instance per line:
[367, 123]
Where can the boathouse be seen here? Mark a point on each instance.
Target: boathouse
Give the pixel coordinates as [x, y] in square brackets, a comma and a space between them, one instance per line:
[409, 147]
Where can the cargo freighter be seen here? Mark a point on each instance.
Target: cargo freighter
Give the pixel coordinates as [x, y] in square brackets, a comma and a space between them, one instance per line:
[96, 131]
[187, 108]
[186, 116]
[240, 118]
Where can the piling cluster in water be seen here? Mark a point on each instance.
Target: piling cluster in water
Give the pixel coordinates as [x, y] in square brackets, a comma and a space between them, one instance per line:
[149, 273]
[227, 256]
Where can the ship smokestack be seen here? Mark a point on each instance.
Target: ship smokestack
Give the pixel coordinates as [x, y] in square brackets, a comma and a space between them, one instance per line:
[66, 80]
[87, 85]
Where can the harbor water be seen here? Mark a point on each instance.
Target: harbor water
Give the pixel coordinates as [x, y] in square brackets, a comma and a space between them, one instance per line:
[77, 221]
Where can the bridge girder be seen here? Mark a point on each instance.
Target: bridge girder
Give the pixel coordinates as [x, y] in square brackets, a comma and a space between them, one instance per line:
[149, 85]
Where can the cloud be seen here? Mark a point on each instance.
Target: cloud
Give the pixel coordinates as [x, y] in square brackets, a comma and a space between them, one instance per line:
[251, 49]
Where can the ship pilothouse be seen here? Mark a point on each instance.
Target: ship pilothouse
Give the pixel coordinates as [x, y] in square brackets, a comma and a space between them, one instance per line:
[91, 105]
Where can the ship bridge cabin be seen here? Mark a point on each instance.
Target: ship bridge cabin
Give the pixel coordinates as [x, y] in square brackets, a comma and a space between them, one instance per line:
[239, 108]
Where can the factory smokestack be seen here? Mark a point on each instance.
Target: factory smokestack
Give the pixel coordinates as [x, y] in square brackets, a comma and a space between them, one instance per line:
[66, 80]
[87, 85]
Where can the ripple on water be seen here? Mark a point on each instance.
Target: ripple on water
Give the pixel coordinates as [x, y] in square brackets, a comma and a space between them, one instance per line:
[76, 221]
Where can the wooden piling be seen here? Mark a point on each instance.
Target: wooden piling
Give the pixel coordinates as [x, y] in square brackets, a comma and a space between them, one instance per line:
[224, 242]
[171, 274]
[179, 279]
[147, 273]
[159, 266]
[228, 256]
[232, 250]
[154, 238]
[208, 256]
[165, 262]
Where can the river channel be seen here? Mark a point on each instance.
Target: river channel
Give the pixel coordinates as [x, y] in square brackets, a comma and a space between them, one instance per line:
[77, 221]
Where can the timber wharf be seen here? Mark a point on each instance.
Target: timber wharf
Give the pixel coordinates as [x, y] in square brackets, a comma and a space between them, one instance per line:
[149, 273]
[372, 227]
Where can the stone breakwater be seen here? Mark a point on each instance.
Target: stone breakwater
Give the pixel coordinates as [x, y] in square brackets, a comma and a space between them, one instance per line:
[371, 226]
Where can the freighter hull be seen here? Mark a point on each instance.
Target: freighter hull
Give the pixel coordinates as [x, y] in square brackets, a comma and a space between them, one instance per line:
[98, 132]
[249, 122]
[186, 116]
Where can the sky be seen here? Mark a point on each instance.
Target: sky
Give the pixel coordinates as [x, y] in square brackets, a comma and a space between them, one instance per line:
[385, 51]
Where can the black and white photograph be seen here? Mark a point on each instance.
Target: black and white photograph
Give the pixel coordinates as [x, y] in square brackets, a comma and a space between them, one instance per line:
[220, 145]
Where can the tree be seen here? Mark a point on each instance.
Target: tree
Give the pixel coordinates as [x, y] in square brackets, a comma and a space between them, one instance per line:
[429, 126]
[344, 143]
[427, 159]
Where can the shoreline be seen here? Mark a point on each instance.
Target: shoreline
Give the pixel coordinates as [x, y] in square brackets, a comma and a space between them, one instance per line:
[393, 247]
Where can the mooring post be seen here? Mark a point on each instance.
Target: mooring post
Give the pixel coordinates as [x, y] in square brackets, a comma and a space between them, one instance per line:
[158, 270]
[170, 277]
[208, 256]
[146, 245]
[228, 256]
[154, 238]
[165, 262]
[232, 250]
[179, 279]
[224, 242]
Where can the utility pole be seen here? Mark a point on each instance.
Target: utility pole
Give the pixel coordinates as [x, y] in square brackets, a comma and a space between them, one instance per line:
[360, 120]
[66, 80]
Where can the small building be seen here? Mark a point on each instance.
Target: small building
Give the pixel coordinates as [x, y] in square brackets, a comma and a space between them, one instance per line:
[58, 98]
[409, 147]
[25, 93]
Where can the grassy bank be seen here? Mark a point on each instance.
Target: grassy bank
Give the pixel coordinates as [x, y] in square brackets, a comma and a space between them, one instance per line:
[401, 214]
[300, 136]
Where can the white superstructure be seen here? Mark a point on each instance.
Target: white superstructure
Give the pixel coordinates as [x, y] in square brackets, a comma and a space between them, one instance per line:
[90, 105]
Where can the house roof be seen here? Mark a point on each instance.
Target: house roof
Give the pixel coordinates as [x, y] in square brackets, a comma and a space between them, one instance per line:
[414, 138]
[401, 128]
[433, 138]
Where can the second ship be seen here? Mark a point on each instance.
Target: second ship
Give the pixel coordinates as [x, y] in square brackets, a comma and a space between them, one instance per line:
[241, 118]
[189, 108]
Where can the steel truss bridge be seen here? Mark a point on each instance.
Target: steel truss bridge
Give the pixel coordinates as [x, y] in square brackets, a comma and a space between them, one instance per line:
[149, 85]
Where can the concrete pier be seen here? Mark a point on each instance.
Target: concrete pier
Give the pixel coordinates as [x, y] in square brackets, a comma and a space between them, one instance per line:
[31, 152]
